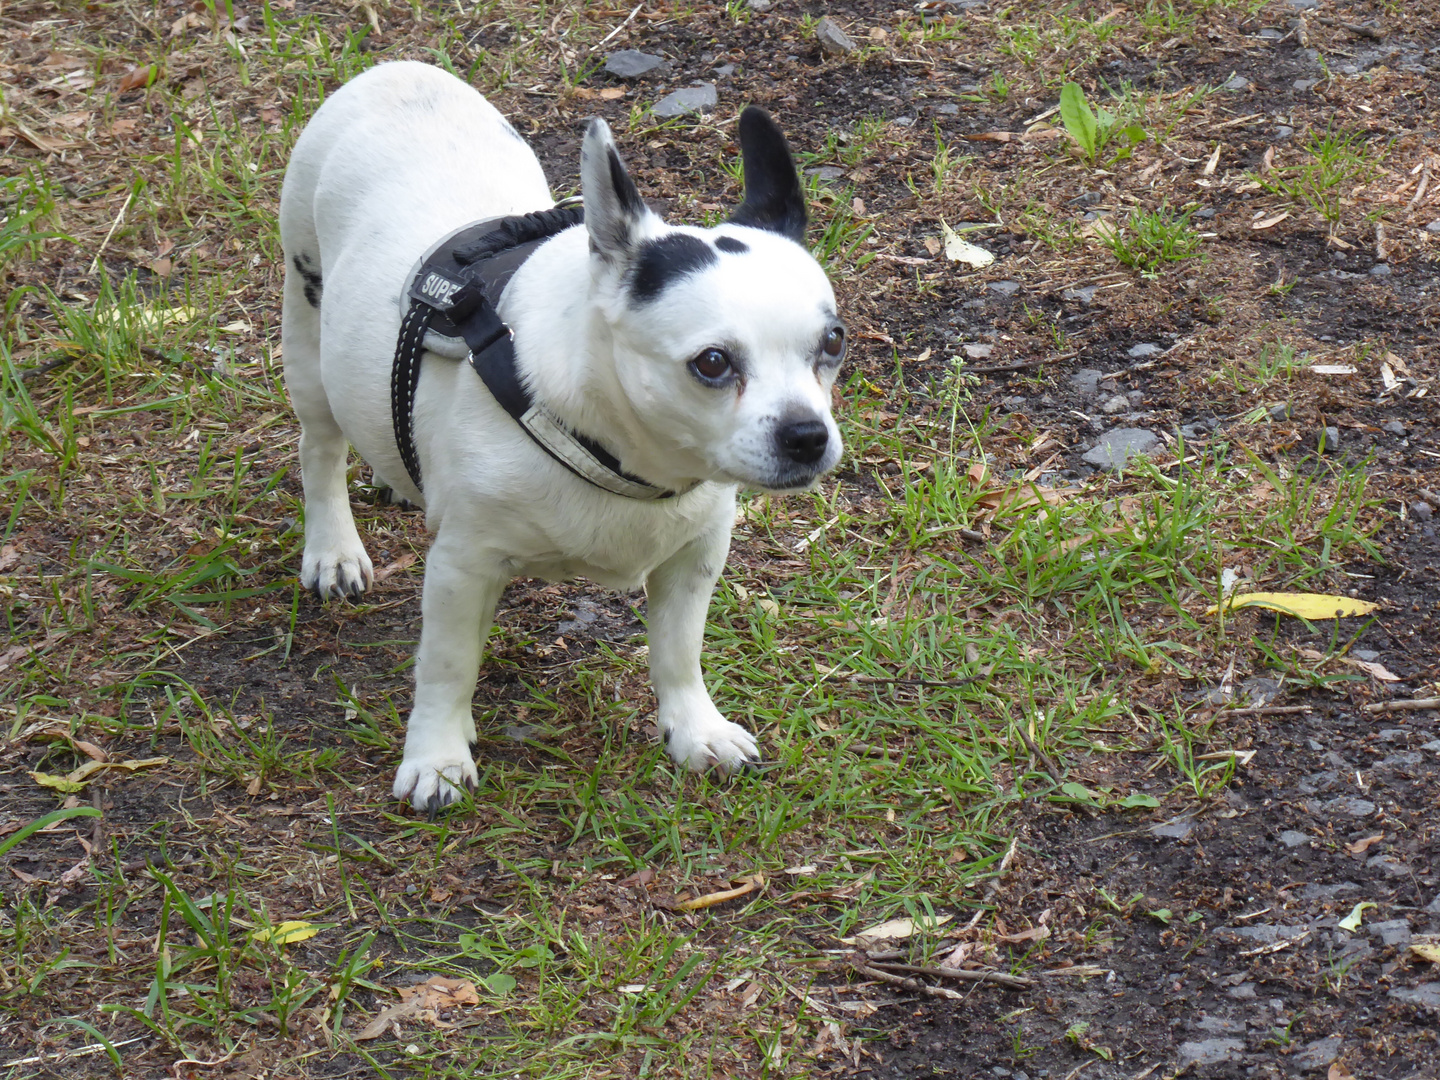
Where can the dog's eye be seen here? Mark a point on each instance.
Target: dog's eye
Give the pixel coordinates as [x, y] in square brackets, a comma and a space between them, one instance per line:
[834, 342]
[712, 366]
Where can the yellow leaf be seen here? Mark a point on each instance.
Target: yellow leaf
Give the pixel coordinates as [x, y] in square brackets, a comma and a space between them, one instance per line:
[894, 930]
[59, 783]
[1351, 922]
[1303, 605]
[287, 933]
[1427, 947]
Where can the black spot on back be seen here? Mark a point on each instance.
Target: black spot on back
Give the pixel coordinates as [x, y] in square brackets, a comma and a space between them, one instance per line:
[733, 246]
[660, 262]
[314, 285]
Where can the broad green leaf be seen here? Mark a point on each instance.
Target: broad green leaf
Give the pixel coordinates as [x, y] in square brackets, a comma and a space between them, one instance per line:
[1130, 802]
[1163, 914]
[1081, 792]
[58, 783]
[1078, 119]
[499, 983]
[1302, 605]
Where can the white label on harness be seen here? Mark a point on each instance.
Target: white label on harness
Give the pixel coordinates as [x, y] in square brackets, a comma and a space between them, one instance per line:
[439, 288]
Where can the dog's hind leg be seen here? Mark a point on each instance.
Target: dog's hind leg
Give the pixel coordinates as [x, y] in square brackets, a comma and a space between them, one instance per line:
[679, 590]
[335, 563]
[462, 588]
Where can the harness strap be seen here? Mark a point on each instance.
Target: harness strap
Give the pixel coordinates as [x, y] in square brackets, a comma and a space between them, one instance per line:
[454, 294]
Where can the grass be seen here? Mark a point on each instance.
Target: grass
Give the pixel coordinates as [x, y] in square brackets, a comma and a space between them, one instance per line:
[917, 690]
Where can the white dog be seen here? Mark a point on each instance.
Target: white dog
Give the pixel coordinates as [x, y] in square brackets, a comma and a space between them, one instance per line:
[701, 359]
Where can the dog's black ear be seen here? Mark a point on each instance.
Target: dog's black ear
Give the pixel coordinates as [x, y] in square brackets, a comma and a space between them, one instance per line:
[615, 215]
[774, 199]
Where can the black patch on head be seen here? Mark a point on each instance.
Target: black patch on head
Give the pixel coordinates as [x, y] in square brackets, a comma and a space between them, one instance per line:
[661, 262]
[733, 246]
[773, 197]
[314, 285]
[625, 189]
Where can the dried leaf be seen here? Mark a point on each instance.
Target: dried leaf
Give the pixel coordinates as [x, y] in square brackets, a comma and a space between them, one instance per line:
[958, 249]
[1300, 605]
[438, 992]
[9, 556]
[90, 750]
[404, 562]
[287, 933]
[58, 783]
[1426, 947]
[386, 1017]
[1339, 1072]
[1271, 221]
[1375, 671]
[894, 930]
[1360, 846]
[1332, 369]
[138, 77]
[1209, 169]
[1351, 922]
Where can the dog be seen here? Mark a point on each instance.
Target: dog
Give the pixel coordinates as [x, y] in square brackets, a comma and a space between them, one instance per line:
[702, 359]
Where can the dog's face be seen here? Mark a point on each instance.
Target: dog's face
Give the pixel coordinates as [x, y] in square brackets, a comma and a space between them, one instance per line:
[726, 341]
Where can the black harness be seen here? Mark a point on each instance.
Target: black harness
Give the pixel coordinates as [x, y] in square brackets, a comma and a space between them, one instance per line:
[453, 297]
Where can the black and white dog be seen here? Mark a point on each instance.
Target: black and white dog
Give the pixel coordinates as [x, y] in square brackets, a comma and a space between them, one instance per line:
[701, 359]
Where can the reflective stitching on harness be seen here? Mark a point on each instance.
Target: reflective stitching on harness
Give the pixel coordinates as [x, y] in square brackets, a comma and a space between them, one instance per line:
[473, 263]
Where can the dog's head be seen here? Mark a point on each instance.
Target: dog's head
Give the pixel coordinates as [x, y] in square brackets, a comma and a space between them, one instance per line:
[726, 340]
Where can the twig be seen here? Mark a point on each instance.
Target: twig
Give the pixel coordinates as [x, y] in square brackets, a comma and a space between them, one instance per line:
[1373, 33]
[622, 26]
[1266, 710]
[999, 978]
[63, 1054]
[1403, 706]
[711, 899]
[95, 265]
[1040, 755]
[997, 369]
[50, 365]
[913, 985]
[875, 680]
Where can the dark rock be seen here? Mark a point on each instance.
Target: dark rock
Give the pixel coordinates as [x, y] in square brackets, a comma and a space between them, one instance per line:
[1433, 227]
[1328, 892]
[690, 99]
[1388, 865]
[1327, 439]
[1140, 352]
[826, 172]
[1258, 690]
[630, 64]
[1305, 5]
[1426, 995]
[1305, 84]
[1004, 288]
[1269, 33]
[1086, 381]
[1116, 404]
[1086, 198]
[1268, 933]
[1242, 992]
[1421, 510]
[1205, 213]
[1349, 805]
[1394, 427]
[1406, 759]
[1433, 746]
[1283, 132]
[948, 109]
[833, 41]
[1084, 296]
[1381, 270]
[1176, 829]
[1213, 1051]
[1391, 932]
[724, 71]
[1292, 839]
[1117, 447]
[1283, 411]
[1318, 1054]
[1236, 84]
[1219, 1025]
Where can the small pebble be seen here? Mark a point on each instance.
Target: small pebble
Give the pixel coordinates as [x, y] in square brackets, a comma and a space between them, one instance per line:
[1236, 84]
[1284, 131]
[1292, 839]
[1328, 439]
[1281, 411]
[833, 41]
[1421, 510]
[1004, 288]
[1380, 270]
[1394, 427]
[1433, 227]
[1117, 404]
[1140, 352]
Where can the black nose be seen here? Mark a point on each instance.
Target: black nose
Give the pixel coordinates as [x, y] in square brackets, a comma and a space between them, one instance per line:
[803, 441]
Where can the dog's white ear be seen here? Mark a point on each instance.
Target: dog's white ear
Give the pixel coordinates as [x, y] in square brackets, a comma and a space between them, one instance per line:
[774, 199]
[615, 215]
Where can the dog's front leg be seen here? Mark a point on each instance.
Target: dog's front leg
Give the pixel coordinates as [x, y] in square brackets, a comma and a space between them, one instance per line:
[679, 590]
[457, 606]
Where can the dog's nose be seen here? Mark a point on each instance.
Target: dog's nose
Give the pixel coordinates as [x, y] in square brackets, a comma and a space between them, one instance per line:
[803, 441]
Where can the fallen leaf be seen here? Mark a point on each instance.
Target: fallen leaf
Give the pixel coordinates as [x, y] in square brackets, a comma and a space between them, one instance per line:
[1339, 1072]
[1038, 933]
[1214, 160]
[711, 899]
[958, 249]
[1387, 376]
[1426, 947]
[90, 750]
[1270, 222]
[894, 930]
[57, 783]
[385, 1018]
[439, 992]
[1377, 671]
[612, 93]
[287, 933]
[1332, 369]
[9, 556]
[138, 77]
[1301, 605]
[1351, 922]
[1359, 846]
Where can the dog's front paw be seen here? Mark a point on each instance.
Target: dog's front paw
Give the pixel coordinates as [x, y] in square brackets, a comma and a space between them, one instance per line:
[710, 742]
[433, 781]
[334, 571]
